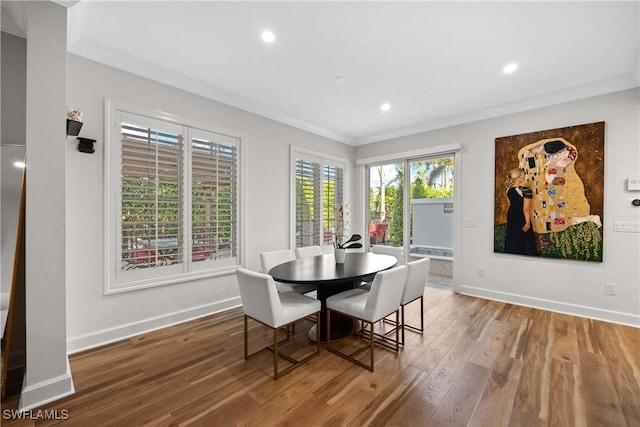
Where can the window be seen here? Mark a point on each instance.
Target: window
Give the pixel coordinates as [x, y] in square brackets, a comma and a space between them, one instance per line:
[174, 204]
[319, 194]
[410, 203]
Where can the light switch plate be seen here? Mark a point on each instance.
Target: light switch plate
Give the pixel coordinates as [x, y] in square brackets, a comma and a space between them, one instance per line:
[626, 226]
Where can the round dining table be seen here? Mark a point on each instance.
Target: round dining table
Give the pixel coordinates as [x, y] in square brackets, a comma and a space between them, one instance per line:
[331, 278]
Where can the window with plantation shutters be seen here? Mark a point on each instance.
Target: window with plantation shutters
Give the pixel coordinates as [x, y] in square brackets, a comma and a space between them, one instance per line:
[319, 190]
[333, 199]
[214, 197]
[308, 203]
[174, 210]
[151, 193]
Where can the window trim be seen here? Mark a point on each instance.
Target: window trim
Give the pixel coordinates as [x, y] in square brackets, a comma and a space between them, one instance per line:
[324, 159]
[111, 204]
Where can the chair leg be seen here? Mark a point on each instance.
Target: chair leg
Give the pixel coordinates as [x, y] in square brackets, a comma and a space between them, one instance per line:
[402, 309]
[328, 334]
[421, 314]
[318, 333]
[371, 336]
[275, 351]
[397, 331]
[372, 345]
[419, 330]
[246, 339]
[277, 372]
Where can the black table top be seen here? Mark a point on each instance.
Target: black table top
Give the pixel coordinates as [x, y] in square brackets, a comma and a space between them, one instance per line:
[323, 268]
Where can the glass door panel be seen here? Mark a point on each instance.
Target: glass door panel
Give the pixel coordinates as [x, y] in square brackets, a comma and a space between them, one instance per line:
[386, 204]
[432, 211]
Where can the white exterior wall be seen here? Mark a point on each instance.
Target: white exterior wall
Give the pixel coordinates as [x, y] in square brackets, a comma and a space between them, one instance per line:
[431, 225]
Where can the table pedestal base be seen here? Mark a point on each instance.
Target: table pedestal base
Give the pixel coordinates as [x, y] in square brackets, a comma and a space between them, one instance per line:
[341, 328]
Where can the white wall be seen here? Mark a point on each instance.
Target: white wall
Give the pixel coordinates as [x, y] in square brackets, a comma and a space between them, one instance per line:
[575, 287]
[94, 318]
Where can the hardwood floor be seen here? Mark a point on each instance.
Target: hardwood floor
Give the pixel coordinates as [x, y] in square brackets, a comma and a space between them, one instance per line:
[479, 363]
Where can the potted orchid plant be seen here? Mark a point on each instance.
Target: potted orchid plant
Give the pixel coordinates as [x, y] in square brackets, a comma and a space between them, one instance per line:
[342, 222]
[352, 243]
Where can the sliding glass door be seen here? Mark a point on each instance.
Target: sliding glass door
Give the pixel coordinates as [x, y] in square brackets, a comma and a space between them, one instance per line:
[386, 204]
[411, 205]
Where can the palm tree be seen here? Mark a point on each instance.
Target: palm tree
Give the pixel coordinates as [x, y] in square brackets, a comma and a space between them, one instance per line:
[440, 171]
[383, 186]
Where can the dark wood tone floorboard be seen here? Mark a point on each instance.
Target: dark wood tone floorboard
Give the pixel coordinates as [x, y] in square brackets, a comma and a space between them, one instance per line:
[479, 363]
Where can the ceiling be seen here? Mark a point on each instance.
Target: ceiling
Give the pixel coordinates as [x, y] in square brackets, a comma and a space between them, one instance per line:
[436, 63]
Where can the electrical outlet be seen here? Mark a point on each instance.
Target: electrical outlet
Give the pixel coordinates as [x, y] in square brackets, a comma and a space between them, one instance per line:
[609, 289]
[480, 272]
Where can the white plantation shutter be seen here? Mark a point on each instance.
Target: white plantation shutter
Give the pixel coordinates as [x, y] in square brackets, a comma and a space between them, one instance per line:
[319, 187]
[214, 192]
[176, 210]
[308, 203]
[333, 196]
[151, 193]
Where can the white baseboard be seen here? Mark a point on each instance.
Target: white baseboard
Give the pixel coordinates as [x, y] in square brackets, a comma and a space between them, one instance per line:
[628, 319]
[106, 336]
[39, 394]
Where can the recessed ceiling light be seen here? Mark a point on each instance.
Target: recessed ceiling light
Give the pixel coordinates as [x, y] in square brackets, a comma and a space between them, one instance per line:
[339, 79]
[19, 164]
[510, 68]
[385, 107]
[268, 36]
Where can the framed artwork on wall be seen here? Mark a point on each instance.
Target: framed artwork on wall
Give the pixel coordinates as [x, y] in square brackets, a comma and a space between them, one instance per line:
[549, 193]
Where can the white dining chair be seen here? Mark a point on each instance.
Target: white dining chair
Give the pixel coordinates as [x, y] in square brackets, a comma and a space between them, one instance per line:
[369, 307]
[270, 259]
[394, 251]
[308, 251]
[264, 304]
[413, 291]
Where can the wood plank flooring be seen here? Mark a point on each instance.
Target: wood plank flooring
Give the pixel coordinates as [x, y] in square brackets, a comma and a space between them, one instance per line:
[478, 363]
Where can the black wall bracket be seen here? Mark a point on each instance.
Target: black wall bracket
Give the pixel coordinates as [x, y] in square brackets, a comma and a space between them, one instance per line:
[86, 145]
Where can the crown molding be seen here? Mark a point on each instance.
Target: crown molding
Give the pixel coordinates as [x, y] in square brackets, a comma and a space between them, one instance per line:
[615, 84]
[135, 65]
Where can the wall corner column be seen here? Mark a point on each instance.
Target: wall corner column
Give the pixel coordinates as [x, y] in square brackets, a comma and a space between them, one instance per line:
[47, 374]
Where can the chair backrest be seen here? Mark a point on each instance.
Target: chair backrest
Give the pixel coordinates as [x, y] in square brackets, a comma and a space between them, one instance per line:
[416, 279]
[308, 251]
[259, 297]
[395, 251]
[386, 293]
[268, 260]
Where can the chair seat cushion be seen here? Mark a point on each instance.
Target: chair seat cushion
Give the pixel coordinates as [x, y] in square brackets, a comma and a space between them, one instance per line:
[351, 302]
[296, 306]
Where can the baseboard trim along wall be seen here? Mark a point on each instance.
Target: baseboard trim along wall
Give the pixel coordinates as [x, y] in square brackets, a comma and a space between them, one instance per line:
[36, 395]
[627, 319]
[107, 336]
